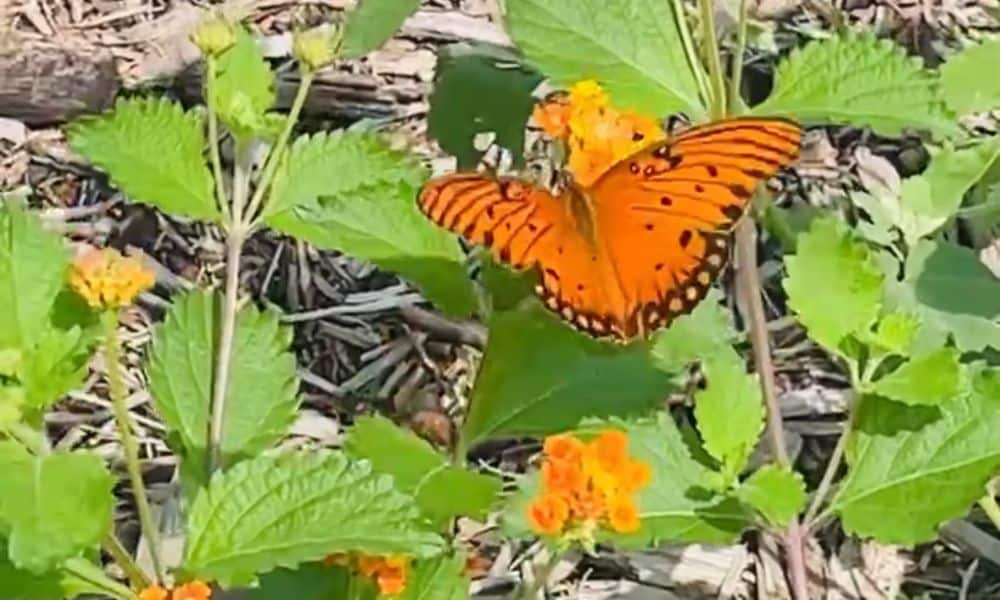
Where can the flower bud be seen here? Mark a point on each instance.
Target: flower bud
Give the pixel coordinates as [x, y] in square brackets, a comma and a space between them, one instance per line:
[315, 48]
[214, 36]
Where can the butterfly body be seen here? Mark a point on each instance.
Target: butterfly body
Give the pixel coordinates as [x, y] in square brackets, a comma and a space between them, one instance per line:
[640, 246]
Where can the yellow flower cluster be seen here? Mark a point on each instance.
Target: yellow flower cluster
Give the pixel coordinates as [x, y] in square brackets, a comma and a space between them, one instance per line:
[598, 134]
[388, 572]
[106, 279]
[586, 484]
[194, 590]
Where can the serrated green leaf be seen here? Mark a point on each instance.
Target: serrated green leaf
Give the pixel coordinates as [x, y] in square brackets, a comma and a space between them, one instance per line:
[929, 379]
[777, 493]
[632, 47]
[951, 173]
[913, 467]
[244, 87]
[54, 365]
[896, 332]
[704, 332]
[909, 212]
[833, 284]
[963, 85]
[857, 80]
[372, 23]
[281, 511]
[42, 502]
[441, 578]
[349, 192]
[539, 376]
[420, 471]
[262, 399]
[729, 411]
[153, 151]
[33, 264]
[480, 89]
[314, 581]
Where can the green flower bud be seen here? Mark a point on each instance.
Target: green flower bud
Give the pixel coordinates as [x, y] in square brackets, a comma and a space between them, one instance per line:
[316, 47]
[214, 36]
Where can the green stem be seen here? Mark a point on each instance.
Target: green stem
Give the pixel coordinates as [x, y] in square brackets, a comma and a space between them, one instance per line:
[275, 156]
[112, 360]
[694, 62]
[823, 490]
[120, 555]
[82, 570]
[541, 578]
[711, 48]
[213, 137]
[989, 505]
[736, 79]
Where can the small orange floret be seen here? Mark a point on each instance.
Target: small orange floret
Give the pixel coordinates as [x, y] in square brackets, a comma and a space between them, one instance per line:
[369, 565]
[153, 592]
[106, 279]
[562, 476]
[548, 513]
[611, 450]
[194, 590]
[391, 577]
[623, 515]
[563, 447]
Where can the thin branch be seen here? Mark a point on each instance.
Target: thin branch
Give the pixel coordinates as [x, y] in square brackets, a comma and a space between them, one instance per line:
[712, 57]
[213, 137]
[120, 555]
[736, 79]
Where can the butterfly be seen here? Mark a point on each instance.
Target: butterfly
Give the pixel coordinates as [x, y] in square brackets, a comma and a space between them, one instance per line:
[641, 245]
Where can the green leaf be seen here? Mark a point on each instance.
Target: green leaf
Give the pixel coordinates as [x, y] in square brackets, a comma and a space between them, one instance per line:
[33, 264]
[17, 584]
[632, 47]
[704, 332]
[951, 173]
[857, 80]
[272, 512]
[372, 23]
[777, 493]
[929, 379]
[350, 192]
[676, 506]
[729, 412]
[539, 376]
[963, 85]
[896, 332]
[53, 366]
[314, 581]
[262, 399]
[42, 504]
[507, 288]
[441, 578]
[833, 284]
[954, 294]
[420, 471]
[913, 467]
[152, 150]
[480, 89]
[244, 87]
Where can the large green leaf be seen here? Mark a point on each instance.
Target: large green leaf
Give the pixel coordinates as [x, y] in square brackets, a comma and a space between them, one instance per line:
[729, 412]
[539, 376]
[372, 23]
[633, 47]
[477, 90]
[33, 265]
[54, 507]
[441, 578]
[963, 84]
[704, 332]
[18, 584]
[951, 173]
[152, 150]
[928, 379]
[350, 192]
[244, 87]
[313, 581]
[54, 365]
[857, 80]
[420, 471]
[777, 493]
[913, 467]
[833, 284]
[262, 398]
[281, 511]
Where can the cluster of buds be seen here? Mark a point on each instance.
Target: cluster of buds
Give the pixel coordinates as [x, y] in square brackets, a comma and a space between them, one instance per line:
[193, 590]
[388, 572]
[108, 280]
[586, 485]
[598, 134]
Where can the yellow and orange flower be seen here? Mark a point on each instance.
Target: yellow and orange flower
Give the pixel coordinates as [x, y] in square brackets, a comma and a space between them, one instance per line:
[193, 590]
[598, 134]
[588, 484]
[389, 572]
[153, 592]
[106, 279]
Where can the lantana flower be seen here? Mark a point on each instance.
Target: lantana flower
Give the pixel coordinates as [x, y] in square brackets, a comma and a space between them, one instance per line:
[388, 572]
[587, 485]
[193, 590]
[598, 134]
[106, 279]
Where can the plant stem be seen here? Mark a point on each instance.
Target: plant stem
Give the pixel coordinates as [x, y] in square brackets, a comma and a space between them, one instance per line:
[823, 490]
[213, 137]
[694, 63]
[541, 578]
[711, 48]
[80, 569]
[736, 79]
[275, 156]
[120, 555]
[989, 505]
[112, 361]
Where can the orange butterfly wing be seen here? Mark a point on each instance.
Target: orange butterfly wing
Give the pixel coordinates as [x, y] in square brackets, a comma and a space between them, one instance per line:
[644, 243]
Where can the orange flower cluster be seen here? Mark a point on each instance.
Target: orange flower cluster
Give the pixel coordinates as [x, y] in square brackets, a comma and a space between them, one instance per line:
[194, 590]
[584, 484]
[598, 135]
[106, 279]
[388, 572]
